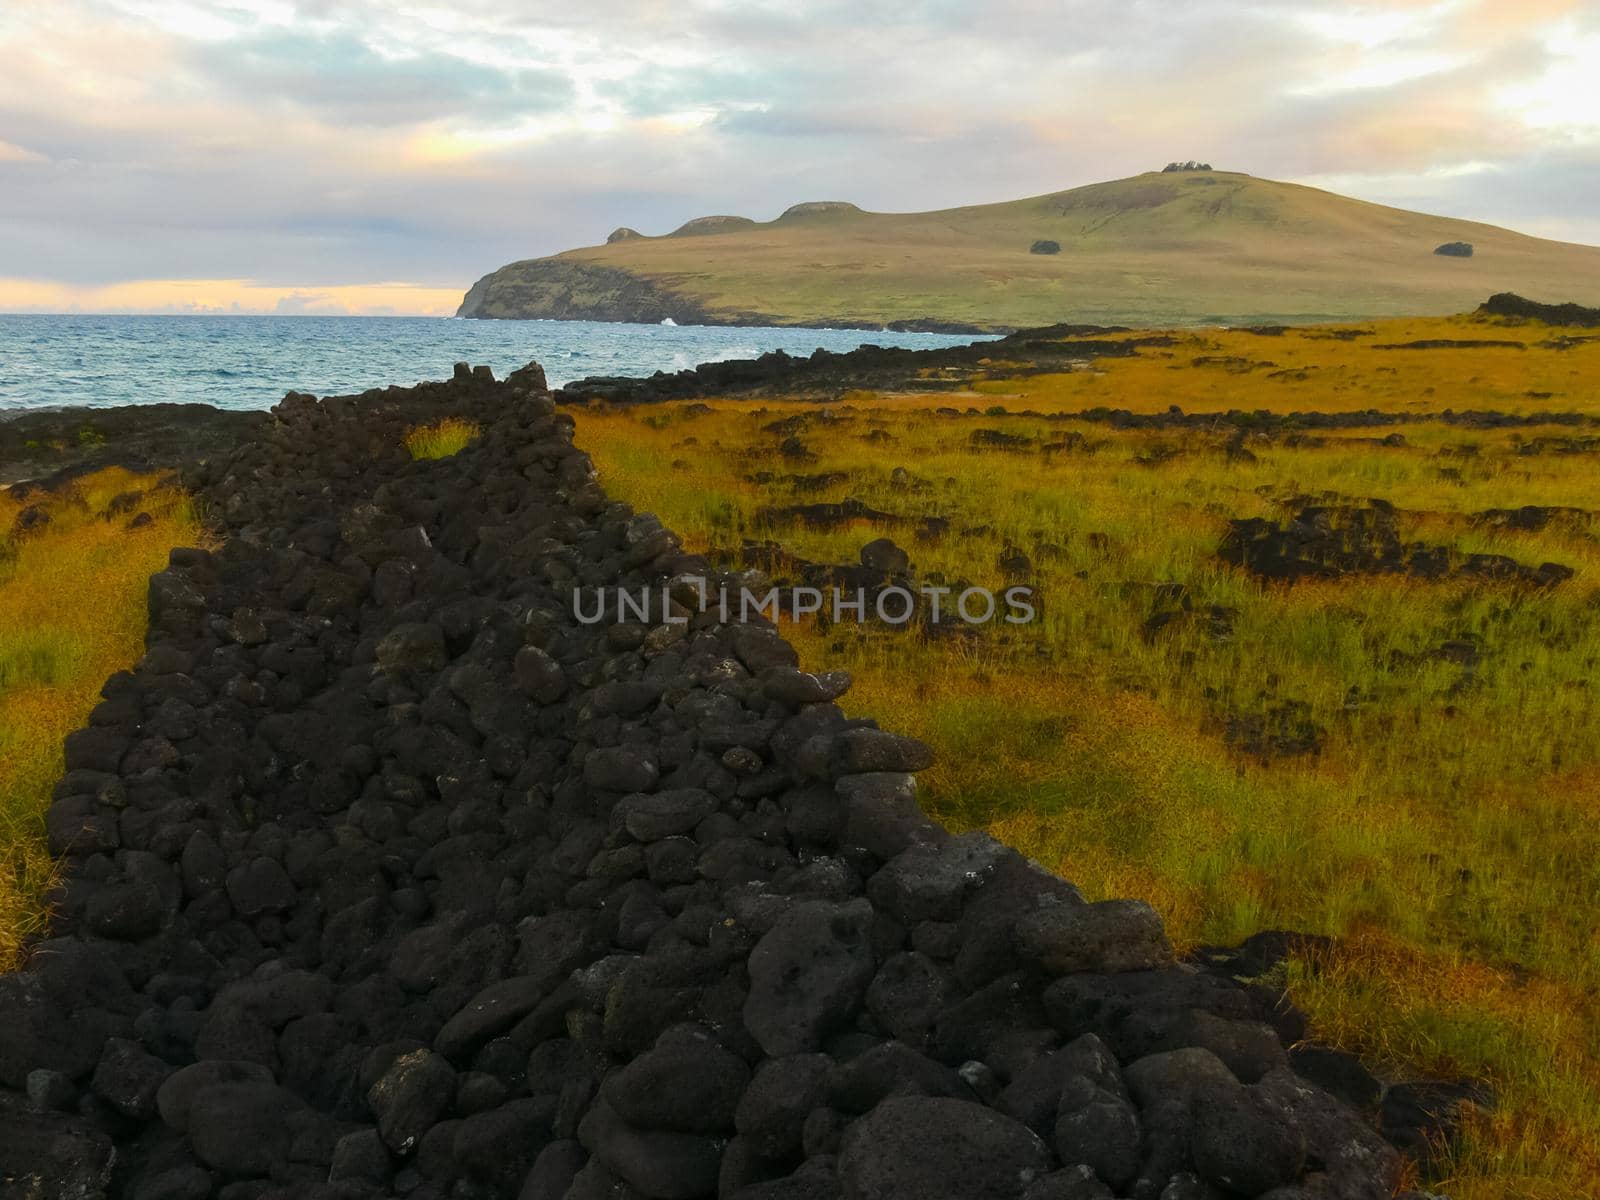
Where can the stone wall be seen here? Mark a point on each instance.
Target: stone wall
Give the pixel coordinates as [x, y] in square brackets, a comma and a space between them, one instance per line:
[384, 876]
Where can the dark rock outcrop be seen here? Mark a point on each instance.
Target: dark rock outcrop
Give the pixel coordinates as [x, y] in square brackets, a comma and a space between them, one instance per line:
[1454, 249]
[54, 446]
[1509, 304]
[437, 892]
[1045, 246]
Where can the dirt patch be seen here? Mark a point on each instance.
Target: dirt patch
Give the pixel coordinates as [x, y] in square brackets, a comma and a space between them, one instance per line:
[1341, 335]
[1281, 730]
[1560, 445]
[1326, 541]
[1232, 363]
[1452, 344]
[800, 484]
[1530, 517]
[827, 515]
[997, 439]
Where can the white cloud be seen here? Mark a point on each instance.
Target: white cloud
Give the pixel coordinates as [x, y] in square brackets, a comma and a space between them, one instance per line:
[1566, 96]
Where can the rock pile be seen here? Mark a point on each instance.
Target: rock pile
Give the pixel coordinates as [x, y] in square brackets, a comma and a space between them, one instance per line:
[385, 876]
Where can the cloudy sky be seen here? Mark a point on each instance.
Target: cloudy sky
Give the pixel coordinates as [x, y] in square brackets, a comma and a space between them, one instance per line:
[379, 155]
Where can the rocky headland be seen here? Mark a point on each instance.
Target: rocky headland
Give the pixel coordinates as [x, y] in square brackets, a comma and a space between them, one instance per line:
[384, 876]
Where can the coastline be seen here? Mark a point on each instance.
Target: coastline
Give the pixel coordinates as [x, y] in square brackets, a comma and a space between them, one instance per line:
[238, 362]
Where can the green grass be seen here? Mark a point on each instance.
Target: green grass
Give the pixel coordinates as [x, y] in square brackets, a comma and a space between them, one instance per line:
[72, 612]
[1154, 248]
[441, 439]
[1448, 833]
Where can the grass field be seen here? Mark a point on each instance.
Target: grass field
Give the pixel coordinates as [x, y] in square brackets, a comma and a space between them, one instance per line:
[72, 612]
[1154, 248]
[1409, 765]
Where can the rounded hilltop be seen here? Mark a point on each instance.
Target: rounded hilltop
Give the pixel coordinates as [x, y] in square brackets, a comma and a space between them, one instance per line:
[725, 223]
[718, 224]
[819, 208]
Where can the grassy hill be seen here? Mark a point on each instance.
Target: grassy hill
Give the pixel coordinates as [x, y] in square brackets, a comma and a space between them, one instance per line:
[1159, 248]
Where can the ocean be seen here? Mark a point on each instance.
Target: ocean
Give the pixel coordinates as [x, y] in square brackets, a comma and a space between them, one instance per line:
[250, 362]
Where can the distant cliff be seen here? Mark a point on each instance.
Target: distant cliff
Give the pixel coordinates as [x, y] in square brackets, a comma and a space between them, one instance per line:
[567, 290]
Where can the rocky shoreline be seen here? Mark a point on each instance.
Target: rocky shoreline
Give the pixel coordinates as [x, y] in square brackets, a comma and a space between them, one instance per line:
[825, 374]
[386, 877]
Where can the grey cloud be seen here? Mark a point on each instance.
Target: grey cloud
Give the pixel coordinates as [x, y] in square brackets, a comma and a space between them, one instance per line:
[1547, 194]
[796, 122]
[655, 90]
[346, 80]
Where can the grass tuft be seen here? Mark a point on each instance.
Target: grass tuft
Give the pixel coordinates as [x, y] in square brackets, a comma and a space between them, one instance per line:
[445, 437]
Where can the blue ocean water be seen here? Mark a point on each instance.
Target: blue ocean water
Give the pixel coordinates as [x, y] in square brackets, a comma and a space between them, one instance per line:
[250, 362]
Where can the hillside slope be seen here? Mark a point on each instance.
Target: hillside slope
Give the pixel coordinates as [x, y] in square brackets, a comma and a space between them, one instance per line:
[1154, 249]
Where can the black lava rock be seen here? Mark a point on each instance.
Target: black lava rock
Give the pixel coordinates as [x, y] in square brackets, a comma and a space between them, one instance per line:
[410, 1097]
[940, 1149]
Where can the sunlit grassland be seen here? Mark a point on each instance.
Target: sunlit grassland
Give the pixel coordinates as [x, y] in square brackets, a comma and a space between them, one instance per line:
[72, 612]
[447, 436]
[1448, 830]
[1330, 369]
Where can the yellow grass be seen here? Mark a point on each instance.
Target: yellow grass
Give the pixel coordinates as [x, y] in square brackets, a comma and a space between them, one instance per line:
[444, 437]
[72, 612]
[1448, 833]
[1314, 368]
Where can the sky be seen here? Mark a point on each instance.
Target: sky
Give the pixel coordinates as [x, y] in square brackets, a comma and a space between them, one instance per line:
[377, 156]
